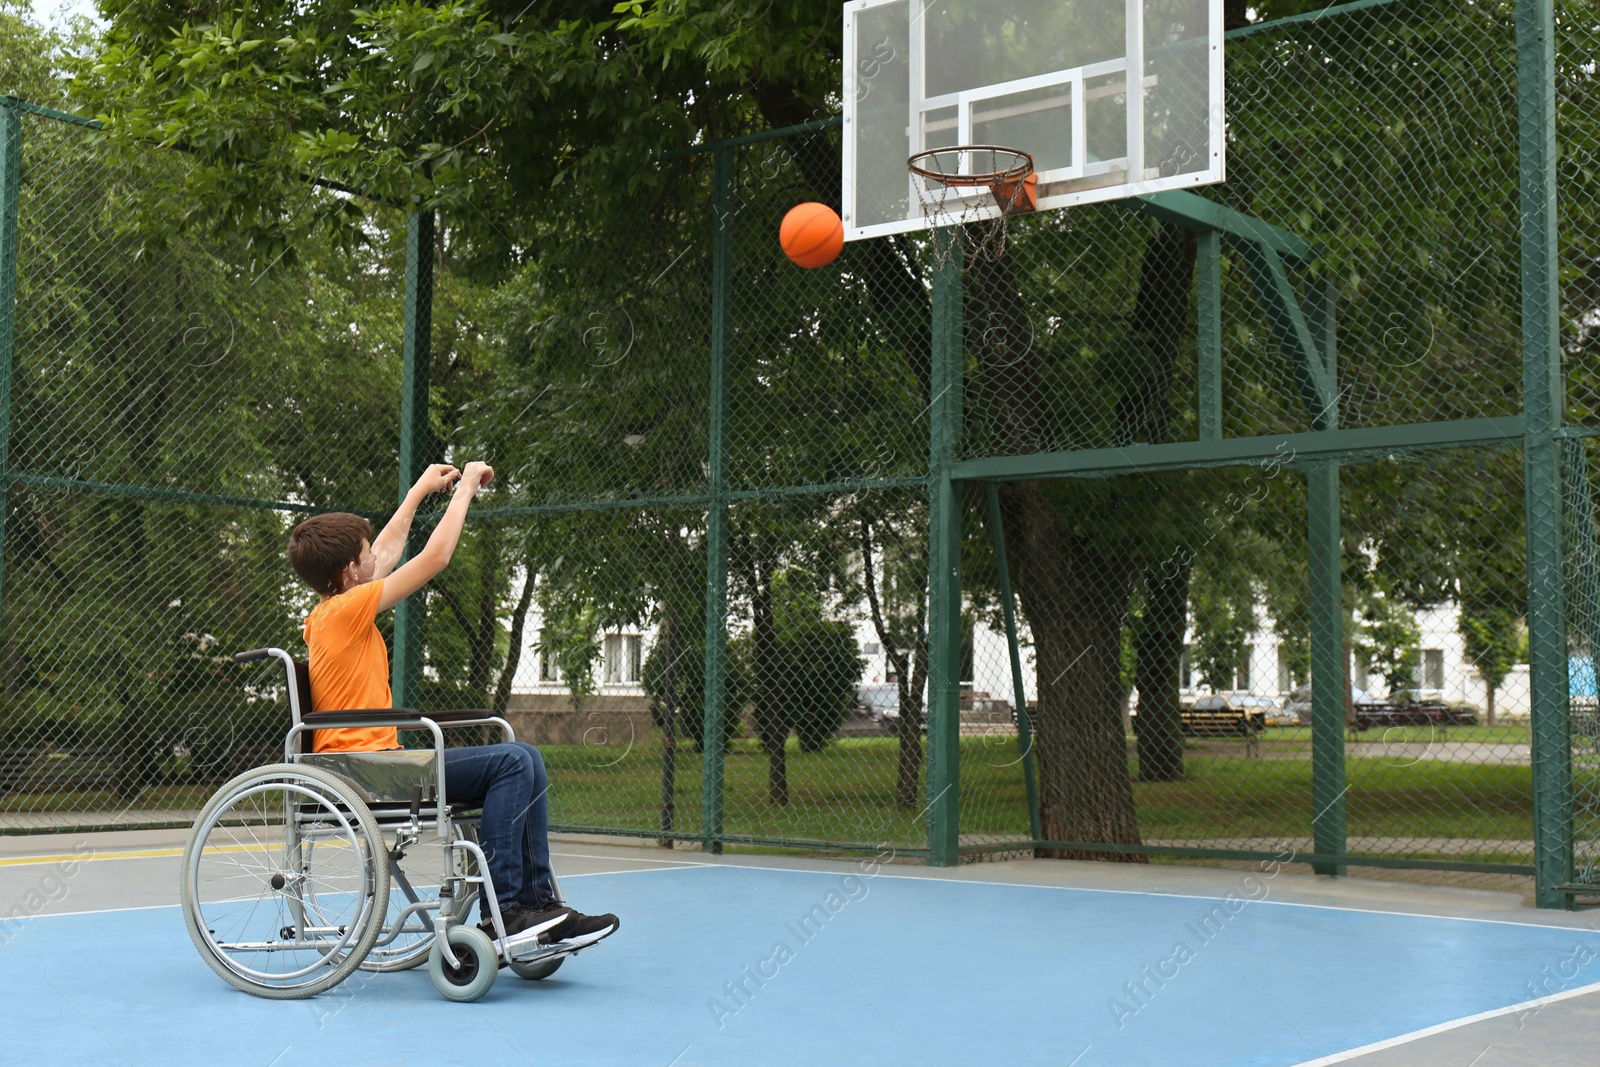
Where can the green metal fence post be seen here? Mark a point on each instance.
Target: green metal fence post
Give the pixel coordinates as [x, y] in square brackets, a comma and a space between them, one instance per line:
[717, 510]
[405, 674]
[1542, 399]
[10, 189]
[1030, 778]
[944, 562]
[1208, 275]
[1327, 663]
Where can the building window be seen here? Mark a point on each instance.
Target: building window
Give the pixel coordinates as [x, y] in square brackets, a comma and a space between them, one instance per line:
[622, 656]
[548, 671]
[1433, 668]
[1241, 674]
[1285, 675]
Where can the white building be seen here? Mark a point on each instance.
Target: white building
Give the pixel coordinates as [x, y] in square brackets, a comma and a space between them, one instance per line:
[1442, 670]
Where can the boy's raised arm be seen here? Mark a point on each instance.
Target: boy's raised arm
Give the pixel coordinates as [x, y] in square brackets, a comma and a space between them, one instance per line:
[417, 570]
[390, 544]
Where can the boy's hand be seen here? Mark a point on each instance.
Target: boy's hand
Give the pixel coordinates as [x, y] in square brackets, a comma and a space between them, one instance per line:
[475, 477]
[437, 478]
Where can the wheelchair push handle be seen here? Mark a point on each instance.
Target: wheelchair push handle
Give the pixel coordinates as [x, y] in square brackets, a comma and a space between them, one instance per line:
[251, 656]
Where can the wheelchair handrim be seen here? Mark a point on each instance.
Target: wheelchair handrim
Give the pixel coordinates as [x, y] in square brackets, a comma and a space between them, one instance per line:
[332, 948]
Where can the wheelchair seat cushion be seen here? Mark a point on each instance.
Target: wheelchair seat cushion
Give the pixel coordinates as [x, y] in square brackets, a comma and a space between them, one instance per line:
[387, 777]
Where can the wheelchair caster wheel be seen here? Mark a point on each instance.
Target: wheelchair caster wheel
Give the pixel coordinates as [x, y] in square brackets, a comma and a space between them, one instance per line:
[479, 964]
[536, 970]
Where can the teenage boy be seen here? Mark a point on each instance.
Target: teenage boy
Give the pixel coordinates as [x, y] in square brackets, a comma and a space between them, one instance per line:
[356, 578]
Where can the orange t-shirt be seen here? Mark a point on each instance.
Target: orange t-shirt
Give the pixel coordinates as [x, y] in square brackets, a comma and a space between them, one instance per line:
[349, 667]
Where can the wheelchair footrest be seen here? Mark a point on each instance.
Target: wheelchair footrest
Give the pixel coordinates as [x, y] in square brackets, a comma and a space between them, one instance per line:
[539, 953]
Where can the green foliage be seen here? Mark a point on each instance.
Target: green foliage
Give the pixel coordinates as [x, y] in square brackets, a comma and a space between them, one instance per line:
[1495, 640]
[1387, 639]
[152, 363]
[569, 640]
[571, 326]
[225, 730]
[34, 724]
[1222, 607]
[815, 671]
[680, 683]
[1128, 655]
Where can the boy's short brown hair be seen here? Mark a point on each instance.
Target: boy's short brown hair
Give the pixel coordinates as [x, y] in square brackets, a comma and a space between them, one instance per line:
[323, 545]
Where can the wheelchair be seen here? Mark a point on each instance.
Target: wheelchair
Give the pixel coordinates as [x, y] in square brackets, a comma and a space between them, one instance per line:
[300, 873]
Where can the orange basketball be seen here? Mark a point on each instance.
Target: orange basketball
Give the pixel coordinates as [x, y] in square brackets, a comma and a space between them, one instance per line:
[812, 234]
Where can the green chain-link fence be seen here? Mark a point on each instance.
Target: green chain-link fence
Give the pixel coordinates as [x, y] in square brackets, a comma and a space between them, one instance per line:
[1212, 527]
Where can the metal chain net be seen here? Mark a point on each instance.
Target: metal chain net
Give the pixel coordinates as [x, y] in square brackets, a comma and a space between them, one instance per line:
[178, 406]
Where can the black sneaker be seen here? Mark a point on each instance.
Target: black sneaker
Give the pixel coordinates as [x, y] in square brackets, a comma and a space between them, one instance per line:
[579, 930]
[525, 925]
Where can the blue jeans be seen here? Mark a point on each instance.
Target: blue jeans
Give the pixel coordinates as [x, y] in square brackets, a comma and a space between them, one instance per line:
[510, 783]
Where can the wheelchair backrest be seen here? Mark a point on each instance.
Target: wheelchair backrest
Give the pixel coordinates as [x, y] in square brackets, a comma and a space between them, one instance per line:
[302, 691]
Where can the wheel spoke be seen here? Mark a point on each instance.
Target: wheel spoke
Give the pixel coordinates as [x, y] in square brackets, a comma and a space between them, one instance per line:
[327, 872]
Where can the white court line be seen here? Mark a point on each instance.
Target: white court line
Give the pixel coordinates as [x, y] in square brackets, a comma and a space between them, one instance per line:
[694, 865]
[1181, 896]
[168, 853]
[630, 859]
[156, 907]
[1416, 1035]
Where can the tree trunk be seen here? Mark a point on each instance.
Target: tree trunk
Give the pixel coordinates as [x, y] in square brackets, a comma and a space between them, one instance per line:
[1488, 703]
[908, 779]
[508, 673]
[909, 682]
[1075, 573]
[1074, 595]
[1349, 686]
[769, 722]
[1074, 588]
[1159, 645]
[487, 624]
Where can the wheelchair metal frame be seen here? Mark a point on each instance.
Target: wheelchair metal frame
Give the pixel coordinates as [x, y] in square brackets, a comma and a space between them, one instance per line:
[343, 796]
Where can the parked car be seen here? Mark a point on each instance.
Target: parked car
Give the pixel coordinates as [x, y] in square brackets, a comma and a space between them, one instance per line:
[880, 701]
[1409, 708]
[1240, 716]
[1299, 703]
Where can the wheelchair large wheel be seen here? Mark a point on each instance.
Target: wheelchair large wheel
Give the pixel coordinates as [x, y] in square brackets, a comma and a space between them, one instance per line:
[280, 879]
[415, 879]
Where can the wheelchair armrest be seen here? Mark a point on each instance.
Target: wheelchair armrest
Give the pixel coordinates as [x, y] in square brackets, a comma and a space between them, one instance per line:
[472, 717]
[456, 716]
[324, 720]
[404, 719]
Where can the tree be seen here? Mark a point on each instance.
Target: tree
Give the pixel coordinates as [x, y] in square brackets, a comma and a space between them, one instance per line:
[674, 676]
[138, 388]
[816, 664]
[1224, 620]
[1090, 355]
[1493, 637]
[898, 604]
[1387, 639]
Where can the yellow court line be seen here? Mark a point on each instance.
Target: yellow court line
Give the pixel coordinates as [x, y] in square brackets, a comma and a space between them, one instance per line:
[147, 853]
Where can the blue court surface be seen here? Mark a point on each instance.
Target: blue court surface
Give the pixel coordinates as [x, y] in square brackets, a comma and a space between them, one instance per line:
[747, 965]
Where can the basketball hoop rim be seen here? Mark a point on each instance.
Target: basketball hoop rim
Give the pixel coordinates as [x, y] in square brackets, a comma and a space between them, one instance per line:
[1015, 173]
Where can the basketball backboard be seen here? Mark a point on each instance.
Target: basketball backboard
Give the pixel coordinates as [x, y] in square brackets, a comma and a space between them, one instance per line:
[1046, 77]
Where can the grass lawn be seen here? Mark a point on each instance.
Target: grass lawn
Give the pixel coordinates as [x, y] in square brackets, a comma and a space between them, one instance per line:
[1513, 734]
[845, 794]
